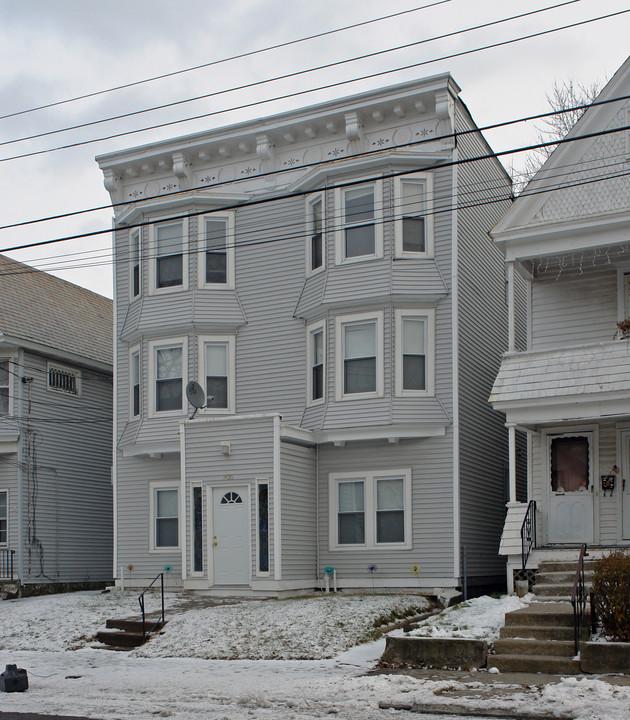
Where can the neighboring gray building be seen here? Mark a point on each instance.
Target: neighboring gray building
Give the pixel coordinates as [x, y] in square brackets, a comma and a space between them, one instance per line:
[55, 429]
[326, 275]
[568, 388]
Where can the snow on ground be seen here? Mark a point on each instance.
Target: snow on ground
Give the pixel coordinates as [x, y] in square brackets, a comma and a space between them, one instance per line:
[480, 618]
[98, 683]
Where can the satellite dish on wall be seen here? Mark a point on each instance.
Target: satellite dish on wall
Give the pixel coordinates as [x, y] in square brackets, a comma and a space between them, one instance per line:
[196, 396]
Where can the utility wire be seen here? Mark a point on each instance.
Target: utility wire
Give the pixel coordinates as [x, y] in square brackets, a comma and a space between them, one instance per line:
[210, 186]
[312, 90]
[286, 76]
[240, 56]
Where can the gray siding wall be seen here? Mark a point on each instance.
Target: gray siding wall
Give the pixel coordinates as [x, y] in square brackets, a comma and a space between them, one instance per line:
[431, 464]
[573, 307]
[66, 478]
[482, 336]
[299, 513]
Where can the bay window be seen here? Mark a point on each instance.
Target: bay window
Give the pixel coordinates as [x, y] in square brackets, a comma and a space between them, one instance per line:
[169, 250]
[414, 352]
[167, 375]
[135, 270]
[135, 382]
[315, 233]
[316, 348]
[360, 233]
[4, 386]
[413, 215]
[216, 258]
[359, 342]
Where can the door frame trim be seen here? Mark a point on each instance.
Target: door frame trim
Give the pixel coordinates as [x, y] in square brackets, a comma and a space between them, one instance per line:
[247, 502]
[623, 460]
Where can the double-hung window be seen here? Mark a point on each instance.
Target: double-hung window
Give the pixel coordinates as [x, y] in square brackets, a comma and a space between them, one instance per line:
[168, 375]
[316, 349]
[170, 262]
[414, 352]
[359, 344]
[360, 233]
[4, 386]
[134, 375]
[370, 509]
[315, 233]
[4, 517]
[413, 215]
[216, 258]
[216, 354]
[135, 278]
[164, 508]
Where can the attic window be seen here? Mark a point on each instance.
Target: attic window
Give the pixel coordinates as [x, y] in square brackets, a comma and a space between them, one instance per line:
[64, 380]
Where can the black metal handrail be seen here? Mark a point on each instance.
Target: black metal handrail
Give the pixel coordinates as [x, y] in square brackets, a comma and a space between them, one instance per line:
[146, 632]
[6, 564]
[578, 598]
[528, 532]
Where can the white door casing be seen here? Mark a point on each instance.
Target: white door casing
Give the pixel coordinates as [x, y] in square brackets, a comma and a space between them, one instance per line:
[570, 511]
[230, 537]
[623, 490]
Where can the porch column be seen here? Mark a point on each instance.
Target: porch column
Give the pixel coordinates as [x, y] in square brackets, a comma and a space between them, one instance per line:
[512, 462]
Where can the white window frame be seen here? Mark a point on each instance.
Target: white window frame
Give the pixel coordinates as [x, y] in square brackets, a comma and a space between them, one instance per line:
[154, 346]
[65, 369]
[4, 491]
[154, 486]
[340, 213]
[9, 384]
[310, 202]
[341, 321]
[135, 351]
[135, 262]
[312, 330]
[153, 288]
[370, 484]
[426, 181]
[623, 292]
[228, 218]
[428, 316]
[230, 342]
[263, 573]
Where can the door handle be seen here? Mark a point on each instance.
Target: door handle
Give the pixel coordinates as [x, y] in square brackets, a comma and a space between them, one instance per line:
[215, 543]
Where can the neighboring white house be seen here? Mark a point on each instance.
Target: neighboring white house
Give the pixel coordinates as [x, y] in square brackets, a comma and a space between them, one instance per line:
[568, 235]
[55, 429]
[327, 277]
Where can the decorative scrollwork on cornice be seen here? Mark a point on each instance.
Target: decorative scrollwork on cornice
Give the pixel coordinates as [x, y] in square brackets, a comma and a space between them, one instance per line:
[182, 167]
[113, 184]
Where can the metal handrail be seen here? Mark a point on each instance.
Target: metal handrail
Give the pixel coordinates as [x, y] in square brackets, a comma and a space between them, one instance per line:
[6, 564]
[528, 532]
[578, 598]
[141, 602]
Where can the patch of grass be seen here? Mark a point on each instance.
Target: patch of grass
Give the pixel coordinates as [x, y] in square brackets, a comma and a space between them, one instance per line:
[397, 614]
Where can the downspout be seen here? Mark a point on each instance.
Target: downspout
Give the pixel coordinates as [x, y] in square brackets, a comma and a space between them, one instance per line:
[455, 378]
[20, 477]
[183, 534]
[114, 478]
[277, 511]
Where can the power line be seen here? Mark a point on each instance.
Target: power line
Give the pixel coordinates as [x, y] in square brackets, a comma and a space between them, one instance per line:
[316, 89]
[240, 56]
[493, 126]
[303, 193]
[286, 76]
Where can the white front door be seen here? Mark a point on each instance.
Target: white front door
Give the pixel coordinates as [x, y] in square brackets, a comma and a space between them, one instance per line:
[623, 489]
[230, 535]
[570, 463]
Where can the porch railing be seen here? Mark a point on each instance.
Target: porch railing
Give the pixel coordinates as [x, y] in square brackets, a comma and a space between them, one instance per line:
[528, 532]
[6, 564]
[578, 598]
[146, 632]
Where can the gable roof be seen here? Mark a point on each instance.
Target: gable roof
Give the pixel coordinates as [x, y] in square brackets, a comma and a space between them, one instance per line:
[581, 182]
[43, 311]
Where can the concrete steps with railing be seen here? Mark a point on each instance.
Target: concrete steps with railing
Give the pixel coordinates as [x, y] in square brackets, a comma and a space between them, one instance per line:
[554, 579]
[126, 633]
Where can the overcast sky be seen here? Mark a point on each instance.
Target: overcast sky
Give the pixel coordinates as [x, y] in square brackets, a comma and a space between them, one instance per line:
[55, 50]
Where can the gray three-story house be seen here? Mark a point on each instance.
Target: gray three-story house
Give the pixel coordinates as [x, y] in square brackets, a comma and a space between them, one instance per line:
[325, 275]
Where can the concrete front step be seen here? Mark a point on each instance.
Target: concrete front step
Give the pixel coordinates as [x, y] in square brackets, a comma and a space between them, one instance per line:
[555, 590]
[548, 566]
[534, 664]
[542, 614]
[512, 646]
[561, 577]
[120, 638]
[533, 632]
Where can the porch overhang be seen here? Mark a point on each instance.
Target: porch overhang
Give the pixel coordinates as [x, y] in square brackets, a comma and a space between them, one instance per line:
[341, 436]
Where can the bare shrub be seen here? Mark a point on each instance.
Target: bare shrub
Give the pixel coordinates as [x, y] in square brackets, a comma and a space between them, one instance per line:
[611, 587]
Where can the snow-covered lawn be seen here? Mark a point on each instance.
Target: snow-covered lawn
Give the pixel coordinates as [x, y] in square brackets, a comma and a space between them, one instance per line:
[169, 677]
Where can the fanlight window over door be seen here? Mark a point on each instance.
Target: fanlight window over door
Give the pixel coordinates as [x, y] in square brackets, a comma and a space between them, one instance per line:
[231, 498]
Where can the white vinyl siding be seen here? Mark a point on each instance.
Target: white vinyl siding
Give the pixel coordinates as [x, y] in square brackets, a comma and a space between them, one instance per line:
[370, 509]
[167, 376]
[359, 351]
[217, 365]
[216, 254]
[415, 352]
[413, 215]
[359, 221]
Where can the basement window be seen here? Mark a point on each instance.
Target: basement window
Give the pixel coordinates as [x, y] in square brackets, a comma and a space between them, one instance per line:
[63, 379]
